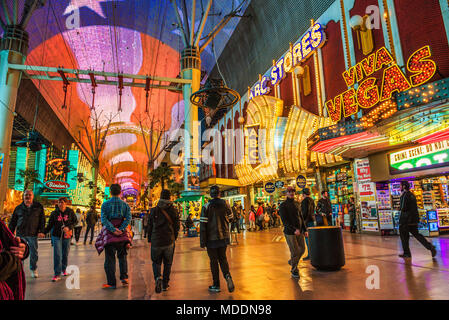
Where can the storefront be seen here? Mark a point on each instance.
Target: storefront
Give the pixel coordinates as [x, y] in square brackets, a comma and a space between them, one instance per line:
[339, 182]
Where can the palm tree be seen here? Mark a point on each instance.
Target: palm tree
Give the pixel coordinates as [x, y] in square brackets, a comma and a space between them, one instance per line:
[28, 176]
[175, 188]
[161, 174]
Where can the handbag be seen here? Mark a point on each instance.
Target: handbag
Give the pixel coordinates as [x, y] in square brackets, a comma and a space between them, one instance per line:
[67, 234]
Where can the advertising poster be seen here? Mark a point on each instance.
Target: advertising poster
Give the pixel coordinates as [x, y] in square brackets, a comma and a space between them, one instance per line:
[193, 177]
[363, 170]
[370, 225]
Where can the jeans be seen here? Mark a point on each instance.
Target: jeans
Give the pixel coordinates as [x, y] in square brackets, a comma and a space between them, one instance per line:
[61, 248]
[404, 233]
[329, 220]
[77, 233]
[92, 229]
[218, 256]
[159, 255]
[309, 225]
[109, 262]
[296, 245]
[235, 225]
[32, 243]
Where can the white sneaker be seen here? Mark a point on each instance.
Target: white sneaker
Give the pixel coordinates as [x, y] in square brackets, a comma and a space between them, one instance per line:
[34, 274]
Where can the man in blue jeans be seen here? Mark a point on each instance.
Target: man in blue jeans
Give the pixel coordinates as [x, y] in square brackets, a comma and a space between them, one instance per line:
[115, 216]
[28, 221]
[163, 229]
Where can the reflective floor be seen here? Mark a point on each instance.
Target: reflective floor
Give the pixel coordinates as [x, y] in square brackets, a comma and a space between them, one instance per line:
[259, 268]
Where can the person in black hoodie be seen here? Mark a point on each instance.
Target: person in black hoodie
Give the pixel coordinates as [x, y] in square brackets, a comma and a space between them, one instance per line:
[408, 222]
[308, 215]
[294, 229]
[28, 222]
[61, 223]
[214, 234]
[163, 228]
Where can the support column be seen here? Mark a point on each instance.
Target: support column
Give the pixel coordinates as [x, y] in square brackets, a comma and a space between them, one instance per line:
[191, 70]
[13, 49]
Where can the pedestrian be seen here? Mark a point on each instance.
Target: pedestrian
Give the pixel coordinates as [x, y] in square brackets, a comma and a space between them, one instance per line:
[324, 208]
[352, 215]
[145, 218]
[408, 222]
[28, 223]
[308, 215]
[189, 222]
[61, 223]
[214, 234]
[242, 218]
[13, 250]
[235, 218]
[252, 219]
[91, 221]
[163, 229]
[79, 225]
[260, 216]
[294, 229]
[115, 218]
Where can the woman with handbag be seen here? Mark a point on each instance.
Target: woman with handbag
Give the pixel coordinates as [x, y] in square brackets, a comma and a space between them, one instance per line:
[61, 223]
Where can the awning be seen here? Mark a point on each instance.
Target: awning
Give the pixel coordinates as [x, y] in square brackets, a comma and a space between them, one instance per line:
[189, 198]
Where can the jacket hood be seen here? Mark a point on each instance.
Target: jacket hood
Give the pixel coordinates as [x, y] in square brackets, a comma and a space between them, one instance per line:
[164, 204]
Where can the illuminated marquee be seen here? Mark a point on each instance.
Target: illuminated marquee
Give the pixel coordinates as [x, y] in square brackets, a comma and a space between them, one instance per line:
[419, 158]
[369, 93]
[299, 52]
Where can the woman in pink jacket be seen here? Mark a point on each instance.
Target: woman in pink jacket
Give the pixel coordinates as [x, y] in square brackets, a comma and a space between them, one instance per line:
[252, 219]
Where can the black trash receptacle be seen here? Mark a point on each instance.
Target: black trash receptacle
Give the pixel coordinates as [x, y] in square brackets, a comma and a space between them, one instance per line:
[326, 248]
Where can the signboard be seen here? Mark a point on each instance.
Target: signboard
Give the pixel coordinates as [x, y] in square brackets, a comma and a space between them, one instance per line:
[370, 91]
[423, 157]
[370, 225]
[363, 170]
[2, 157]
[253, 145]
[313, 39]
[269, 187]
[279, 184]
[193, 175]
[56, 185]
[301, 181]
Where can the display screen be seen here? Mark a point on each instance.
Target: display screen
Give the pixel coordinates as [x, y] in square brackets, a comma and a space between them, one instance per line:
[432, 215]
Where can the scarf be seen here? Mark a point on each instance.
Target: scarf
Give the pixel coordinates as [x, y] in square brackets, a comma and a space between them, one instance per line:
[14, 287]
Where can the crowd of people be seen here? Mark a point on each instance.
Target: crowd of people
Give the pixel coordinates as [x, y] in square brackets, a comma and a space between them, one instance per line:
[161, 226]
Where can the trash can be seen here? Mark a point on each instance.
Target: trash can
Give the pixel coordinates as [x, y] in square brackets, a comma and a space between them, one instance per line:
[326, 248]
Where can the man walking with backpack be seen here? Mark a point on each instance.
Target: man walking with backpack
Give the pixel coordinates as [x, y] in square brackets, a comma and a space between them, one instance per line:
[294, 229]
[163, 228]
[214, 234]
[91, 221]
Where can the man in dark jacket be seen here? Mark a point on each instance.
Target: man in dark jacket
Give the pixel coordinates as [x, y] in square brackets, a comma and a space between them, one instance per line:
[294, 229]
[214, 234]
[28, 221]
[324, 207]
[308, 214]
[163, 228]
[408, 222]
[91, 221]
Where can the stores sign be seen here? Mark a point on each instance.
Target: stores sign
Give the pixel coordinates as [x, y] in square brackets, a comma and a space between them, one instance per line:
[369, 93]
[299, 52]
[422, 157]
[269, 187]
[301, 181]
[363, 170]
[56, 185]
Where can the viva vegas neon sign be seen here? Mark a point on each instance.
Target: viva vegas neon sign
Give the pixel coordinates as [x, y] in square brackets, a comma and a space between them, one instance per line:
[369, 92]
[312, 40]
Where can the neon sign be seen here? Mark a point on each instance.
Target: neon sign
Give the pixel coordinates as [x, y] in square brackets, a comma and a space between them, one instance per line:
[369, 93]
[422, 157]
[299, 52]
